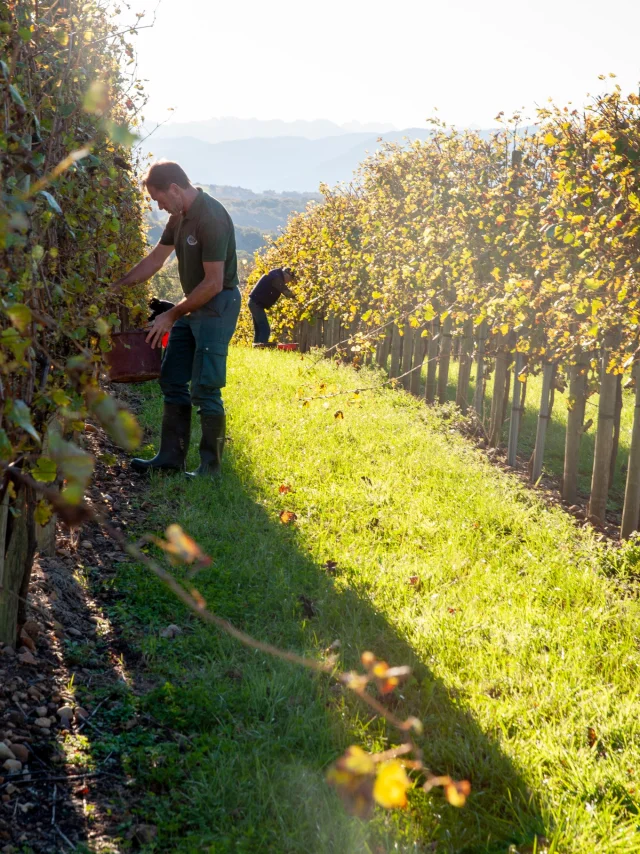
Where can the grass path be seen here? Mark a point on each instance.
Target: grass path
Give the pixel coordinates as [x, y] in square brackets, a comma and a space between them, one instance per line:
[525, 653]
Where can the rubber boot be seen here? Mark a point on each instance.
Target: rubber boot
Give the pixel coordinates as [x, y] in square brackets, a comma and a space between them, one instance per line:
[211, 445]
[174, 441]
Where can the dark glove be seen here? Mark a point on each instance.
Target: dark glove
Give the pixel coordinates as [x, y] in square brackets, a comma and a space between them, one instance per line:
[159, 306]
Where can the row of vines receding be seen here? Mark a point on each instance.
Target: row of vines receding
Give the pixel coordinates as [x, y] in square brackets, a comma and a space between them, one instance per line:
[70, 225]
[518, 250]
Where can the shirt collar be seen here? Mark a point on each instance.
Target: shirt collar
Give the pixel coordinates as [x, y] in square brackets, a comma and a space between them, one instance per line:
[195, 205]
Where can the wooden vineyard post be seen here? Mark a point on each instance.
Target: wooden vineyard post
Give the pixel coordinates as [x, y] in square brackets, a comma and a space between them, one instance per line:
[407, 355]
[445, 359]
[497, 400]
[464, 367]
[617, 415]
[516, 411]
[302, 340]
[385, 347]
[548, 374]
[604, 436]
[631, 510]
[419, 347]
[328, 332]
[432, 362]
[575, 421]
[478, 397]
[396, 352]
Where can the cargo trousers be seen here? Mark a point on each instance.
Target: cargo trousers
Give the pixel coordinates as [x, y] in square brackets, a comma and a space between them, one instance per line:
[197, 354]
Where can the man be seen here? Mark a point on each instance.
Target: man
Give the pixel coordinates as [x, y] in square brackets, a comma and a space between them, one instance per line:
[200, 325]
[266, 294]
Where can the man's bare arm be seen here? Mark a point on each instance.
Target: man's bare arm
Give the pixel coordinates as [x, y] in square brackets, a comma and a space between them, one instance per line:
[208, 288]
[147, 267]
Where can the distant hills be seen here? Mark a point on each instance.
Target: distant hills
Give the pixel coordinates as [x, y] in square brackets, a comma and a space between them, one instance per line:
[229, 128]
[278, 163]
[255, 215]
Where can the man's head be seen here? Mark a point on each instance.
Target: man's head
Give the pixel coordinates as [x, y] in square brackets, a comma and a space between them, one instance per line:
[289, 275]
[166, 183]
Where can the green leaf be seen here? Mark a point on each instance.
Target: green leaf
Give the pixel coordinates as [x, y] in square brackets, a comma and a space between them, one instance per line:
[75, 465]
[120, 424]
[60, 398]
[20, 415]
[45, 470]
[50, 201]
[17, 98]
[96, 99]
[119, 133]
[19, 315]
[43, 512]
[6, 450]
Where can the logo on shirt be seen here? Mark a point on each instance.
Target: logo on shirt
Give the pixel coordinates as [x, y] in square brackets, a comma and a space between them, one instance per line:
[191, 240]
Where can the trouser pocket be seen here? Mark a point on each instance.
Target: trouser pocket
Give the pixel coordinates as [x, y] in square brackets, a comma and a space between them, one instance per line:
[209, 369]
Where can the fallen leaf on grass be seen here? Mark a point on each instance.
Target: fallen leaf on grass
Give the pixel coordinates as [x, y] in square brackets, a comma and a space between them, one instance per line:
[308, 606]
[171, 631]
[288, 516]
[414, 580]
[330, 566]
[339, 415]
[233, 673]
[284, 489]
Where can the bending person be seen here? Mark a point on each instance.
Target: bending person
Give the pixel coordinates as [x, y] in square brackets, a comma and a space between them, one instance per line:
[266, 294]
[200, 325]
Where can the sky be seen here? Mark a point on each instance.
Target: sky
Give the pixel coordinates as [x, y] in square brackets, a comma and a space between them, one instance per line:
[392, 61]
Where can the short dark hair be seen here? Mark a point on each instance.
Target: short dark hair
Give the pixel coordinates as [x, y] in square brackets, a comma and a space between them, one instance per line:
[163, 174]
[290, 272]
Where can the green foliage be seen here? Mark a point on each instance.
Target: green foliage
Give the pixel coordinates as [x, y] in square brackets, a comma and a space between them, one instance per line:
[70, 222]
[538, 233]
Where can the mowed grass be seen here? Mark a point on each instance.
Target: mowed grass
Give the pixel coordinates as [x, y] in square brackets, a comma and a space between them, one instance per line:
[522, 634]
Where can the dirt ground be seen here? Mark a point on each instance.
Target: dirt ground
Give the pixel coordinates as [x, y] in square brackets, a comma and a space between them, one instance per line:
[62, 691]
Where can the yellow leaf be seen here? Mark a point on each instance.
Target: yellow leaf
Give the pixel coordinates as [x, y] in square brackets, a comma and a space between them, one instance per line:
[390, 787]
[550, 139]
[457, 793]
[357, 761]
[287, 517]
[504, 328]
[43, 512]
[602, 136]
[339, 415]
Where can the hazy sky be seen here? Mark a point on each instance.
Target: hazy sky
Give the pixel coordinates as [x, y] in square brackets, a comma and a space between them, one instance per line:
[387, 61]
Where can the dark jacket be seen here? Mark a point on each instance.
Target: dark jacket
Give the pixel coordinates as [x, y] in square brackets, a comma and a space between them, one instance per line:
[270, 288]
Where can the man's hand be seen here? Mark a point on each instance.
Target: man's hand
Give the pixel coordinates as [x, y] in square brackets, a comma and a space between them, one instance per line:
[160, 325]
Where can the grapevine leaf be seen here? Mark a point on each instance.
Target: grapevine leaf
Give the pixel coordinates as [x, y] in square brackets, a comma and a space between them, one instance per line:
[45, 470]
[43, 512]
[20, 415]
[19, 315]
[50, 201]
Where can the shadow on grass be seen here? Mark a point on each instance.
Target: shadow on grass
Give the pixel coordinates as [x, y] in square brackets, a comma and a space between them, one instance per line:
[259, 733]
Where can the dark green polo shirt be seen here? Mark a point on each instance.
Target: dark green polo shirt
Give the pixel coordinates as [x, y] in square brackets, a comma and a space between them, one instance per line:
[204, 233]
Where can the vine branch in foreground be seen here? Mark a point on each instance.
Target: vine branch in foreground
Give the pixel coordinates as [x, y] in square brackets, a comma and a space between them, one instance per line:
[361, 779]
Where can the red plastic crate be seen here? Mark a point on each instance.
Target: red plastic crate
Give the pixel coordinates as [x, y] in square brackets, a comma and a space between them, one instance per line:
[287, 346]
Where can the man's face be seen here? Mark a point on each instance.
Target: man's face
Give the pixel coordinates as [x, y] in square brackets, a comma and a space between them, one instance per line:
[169, 200]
